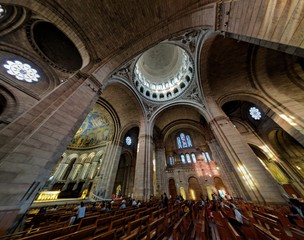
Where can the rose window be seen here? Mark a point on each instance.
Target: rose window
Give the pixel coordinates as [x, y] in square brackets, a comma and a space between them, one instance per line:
[21, 71]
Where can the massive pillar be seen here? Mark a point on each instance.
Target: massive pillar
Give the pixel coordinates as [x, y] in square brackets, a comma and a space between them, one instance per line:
[249, 176]
[109, 168]
[32, 144]
[143, 183]
[160, 166]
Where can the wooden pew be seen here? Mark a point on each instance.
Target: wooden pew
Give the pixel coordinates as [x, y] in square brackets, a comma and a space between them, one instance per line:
[221, 224]
[130, 218]
[158, 214]
[51, 234]
[264, 234]
[201, 226]
[179, 231]
[156, 230]
[134, 227]
[109, 235]
[119, 225]
[87, 221]
[103, 224]
[130, 237]
[297, 233]
[272, 224]
[170, 219]
[144, 226]
[83, 234]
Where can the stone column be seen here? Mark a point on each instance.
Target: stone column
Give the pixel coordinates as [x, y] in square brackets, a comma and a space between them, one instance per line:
[225, 169]
[160, 161]
[246, 171]
[109, 168]
[32, 144]
[143, 182]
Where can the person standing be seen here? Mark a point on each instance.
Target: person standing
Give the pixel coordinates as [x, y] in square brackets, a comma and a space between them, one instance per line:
[165, 200]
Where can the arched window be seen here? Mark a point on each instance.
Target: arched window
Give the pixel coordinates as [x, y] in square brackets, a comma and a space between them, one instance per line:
[184, 141]
[189, 141]
[69, 169]
[206, 156]
[182, 157]
[171, 161]
[179, 142]
[188, 157]
[193, 157]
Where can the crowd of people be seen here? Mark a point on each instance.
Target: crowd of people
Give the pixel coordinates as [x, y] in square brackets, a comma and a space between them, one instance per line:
[216, 203]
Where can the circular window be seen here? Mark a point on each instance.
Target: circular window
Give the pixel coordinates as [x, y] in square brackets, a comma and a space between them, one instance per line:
[56, 47]
[128, 140]
[2, 11]
[21, 71]
[255, 113]
[164, 71]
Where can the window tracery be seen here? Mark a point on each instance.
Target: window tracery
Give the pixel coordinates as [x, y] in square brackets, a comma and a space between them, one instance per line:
[21, 71]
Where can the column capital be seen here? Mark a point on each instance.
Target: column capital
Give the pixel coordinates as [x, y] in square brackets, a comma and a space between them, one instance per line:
[220, 120]
[146, 136]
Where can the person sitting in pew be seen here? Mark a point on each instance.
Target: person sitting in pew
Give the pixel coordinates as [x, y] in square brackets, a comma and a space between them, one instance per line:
[296, 213]
[237, 222]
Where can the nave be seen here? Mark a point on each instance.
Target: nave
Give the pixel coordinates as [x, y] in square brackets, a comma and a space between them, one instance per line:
[137, 98]
[188, 220]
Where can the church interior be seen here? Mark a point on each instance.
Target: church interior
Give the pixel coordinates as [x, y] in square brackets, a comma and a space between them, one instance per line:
[135, 99]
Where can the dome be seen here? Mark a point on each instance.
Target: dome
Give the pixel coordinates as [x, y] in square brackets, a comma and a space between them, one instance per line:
[163, 72]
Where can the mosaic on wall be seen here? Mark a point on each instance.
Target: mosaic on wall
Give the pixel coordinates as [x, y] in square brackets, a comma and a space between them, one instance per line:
[97, 128]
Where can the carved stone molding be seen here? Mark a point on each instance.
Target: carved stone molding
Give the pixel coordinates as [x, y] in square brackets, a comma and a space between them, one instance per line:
[150, 109]
[189, 39]
[125, 72]
[194, 95]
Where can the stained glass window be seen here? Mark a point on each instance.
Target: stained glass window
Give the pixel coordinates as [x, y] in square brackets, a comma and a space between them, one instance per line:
[189, 141]
[171, 161]
[183, 160]
[193, 157]
[184, 142]
[179, 142]
[206, 156]
[255, 113]
[128, 140]
[2, 11]
[21, 71]
[188, 157]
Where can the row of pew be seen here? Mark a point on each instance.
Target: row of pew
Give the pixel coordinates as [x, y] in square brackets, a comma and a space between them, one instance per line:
[145, 223]
[260, 222]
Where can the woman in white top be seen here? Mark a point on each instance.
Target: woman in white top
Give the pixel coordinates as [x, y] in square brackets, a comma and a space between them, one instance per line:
[80, 212]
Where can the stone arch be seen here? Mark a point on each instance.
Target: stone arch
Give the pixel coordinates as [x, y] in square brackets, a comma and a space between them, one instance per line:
[48, 80]
[275, 113]
[70, 157]
[8, 106]
[279, 171]
[195, 190]
[14, 17]
[54, 46]
[90, 157]
[81, 159]
[118, 89]
[124, 177]
[172, 188]
[74, 33]
[220, 186]
[70, 163]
